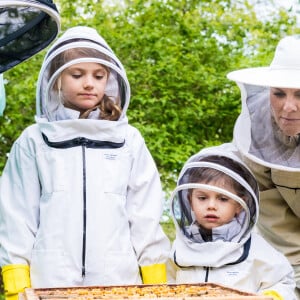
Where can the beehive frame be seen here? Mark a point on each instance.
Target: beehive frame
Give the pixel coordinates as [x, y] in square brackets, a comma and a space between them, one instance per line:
[207, 291]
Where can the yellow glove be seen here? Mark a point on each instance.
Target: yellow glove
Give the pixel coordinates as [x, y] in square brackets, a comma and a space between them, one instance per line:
[15, 279]
[273, 294]
[154, 274]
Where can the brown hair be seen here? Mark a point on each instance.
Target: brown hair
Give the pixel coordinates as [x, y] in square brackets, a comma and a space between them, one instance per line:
[210, 175]
[109, 109]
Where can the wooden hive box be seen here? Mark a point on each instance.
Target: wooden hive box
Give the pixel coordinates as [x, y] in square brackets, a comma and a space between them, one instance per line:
[208, 291]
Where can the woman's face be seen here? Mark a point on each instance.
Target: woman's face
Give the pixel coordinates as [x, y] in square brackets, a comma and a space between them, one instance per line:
[285, 104]
[83, 85]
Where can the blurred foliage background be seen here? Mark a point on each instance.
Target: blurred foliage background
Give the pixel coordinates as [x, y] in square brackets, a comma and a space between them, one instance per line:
[177, 55]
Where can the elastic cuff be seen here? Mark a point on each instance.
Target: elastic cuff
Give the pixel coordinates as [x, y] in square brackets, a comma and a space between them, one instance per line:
[274, 294]
[15, 279]
[154, 274]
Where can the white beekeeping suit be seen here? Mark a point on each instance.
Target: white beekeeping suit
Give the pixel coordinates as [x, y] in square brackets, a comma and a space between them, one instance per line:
[232, 254]
[2, 95]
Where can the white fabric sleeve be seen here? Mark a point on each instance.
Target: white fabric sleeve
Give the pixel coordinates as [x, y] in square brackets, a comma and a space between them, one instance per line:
[145, 206]
[19, 203]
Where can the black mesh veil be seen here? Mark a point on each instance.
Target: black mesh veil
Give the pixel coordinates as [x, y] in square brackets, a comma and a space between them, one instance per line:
[26, 27]
[202, 172]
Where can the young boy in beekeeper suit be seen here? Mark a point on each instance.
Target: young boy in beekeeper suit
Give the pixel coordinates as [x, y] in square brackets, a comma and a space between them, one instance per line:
[214, 208]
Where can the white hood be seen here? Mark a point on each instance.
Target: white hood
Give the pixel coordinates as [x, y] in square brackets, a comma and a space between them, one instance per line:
[256, 134]
[47, 101]
[227, 241]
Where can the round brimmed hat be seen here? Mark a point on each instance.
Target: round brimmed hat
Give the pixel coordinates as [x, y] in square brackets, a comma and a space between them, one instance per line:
[283, 72]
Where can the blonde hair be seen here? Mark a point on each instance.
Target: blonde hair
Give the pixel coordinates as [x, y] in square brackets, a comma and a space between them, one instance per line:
[109, 109]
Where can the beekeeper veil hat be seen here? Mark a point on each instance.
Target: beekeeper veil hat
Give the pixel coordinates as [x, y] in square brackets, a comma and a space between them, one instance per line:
[256, 133]
[196, 174]
[26, 27]
[284, 70]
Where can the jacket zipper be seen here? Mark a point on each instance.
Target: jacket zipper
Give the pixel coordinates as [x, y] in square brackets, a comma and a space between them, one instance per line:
[84, 143]
[84, 211]
[206, 274]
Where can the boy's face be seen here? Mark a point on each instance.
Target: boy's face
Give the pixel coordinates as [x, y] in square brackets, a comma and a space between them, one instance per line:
[213, 209]
[83, 85]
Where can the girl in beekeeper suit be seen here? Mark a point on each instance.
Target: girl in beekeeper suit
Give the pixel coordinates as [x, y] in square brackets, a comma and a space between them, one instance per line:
[80, 195]
[214, 208]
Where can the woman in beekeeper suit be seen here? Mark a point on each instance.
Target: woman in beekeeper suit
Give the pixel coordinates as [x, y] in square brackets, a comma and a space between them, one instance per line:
[214, 208]
[266, 135]
[80, 195]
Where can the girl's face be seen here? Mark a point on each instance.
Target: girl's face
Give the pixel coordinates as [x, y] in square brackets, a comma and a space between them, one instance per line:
[213, 209]
[285, 103]
[83, 85]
